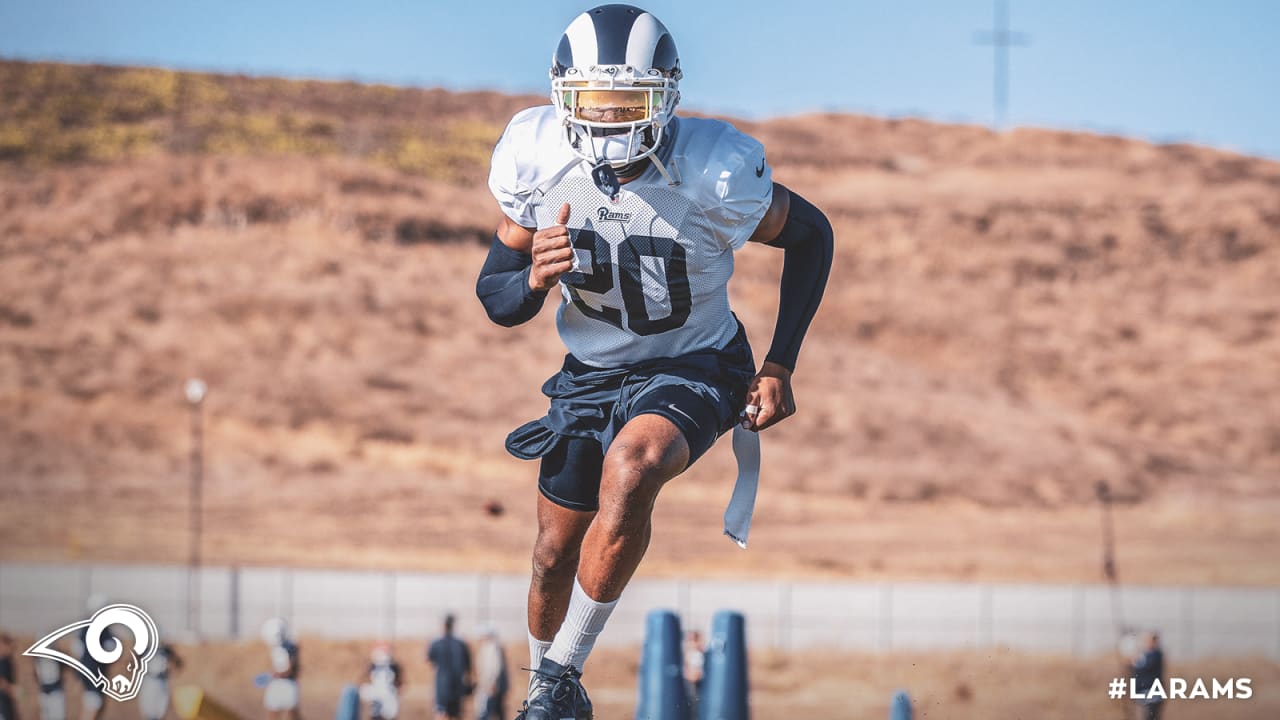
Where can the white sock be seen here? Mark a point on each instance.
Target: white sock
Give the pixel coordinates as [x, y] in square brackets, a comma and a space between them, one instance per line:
[537, 648]
[582, 624]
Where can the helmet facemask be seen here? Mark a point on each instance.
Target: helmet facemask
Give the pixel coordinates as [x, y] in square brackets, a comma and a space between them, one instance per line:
[613, 114]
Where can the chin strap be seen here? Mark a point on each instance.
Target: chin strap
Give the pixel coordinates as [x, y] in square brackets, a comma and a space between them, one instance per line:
[673, 177]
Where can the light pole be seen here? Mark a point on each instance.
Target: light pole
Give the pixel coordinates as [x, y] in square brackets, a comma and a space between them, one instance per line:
[195, 391]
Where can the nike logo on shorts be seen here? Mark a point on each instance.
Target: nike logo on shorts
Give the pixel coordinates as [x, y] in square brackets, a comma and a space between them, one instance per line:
[685, 414]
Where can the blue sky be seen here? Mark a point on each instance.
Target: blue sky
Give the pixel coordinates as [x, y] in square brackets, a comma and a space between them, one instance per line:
[1178, 70]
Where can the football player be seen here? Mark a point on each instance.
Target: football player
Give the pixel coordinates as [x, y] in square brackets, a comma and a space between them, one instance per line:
[631, 216]
[92, 706]
[382, 684]
[153, 702]
[53, 698]
[280, 697]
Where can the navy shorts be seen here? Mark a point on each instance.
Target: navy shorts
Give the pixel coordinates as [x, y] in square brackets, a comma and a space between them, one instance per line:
[701, 393]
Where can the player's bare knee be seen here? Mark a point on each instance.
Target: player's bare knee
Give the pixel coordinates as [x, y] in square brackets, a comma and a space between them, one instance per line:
[629, 485]
[636, 471]
[554, 559]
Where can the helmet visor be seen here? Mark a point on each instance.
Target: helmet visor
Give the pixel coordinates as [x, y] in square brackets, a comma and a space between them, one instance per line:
[612, 106]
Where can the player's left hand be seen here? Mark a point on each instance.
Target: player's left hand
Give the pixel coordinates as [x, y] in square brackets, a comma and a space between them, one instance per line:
[769, 399]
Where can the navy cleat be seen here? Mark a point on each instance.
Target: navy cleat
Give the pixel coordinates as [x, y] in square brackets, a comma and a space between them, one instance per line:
[556, 693]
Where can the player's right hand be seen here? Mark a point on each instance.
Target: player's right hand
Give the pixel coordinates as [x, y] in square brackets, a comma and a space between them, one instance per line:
[552, 253]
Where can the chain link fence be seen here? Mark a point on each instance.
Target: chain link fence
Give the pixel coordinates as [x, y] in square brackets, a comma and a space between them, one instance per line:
[232, 603]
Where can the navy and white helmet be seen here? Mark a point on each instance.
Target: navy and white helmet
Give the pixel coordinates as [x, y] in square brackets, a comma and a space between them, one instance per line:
[615, 79]
[275, 632]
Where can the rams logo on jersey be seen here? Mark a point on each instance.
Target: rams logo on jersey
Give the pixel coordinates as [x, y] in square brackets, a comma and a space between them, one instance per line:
[605, 213]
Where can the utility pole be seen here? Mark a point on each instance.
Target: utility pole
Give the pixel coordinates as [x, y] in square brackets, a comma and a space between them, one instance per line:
[195, 391]
[1103, 492]
[1000, 38]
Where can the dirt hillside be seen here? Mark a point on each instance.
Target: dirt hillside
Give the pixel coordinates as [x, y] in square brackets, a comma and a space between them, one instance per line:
[1011, 319]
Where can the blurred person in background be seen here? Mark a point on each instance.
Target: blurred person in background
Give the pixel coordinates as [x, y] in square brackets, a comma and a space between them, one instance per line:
[1147, 668]
[695, 657]
[451, 659]
[381, 687]
[53, 697]
[281, 696]
[153, 697]
[492, 681]
[630, 217]
[8, 681]
[92, 703]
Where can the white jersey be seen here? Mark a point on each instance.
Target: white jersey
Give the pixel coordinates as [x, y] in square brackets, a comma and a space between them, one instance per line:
[651, 270]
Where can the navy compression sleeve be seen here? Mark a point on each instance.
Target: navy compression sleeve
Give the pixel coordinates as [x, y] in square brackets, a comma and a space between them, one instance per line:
[503, 286]
[808, 241]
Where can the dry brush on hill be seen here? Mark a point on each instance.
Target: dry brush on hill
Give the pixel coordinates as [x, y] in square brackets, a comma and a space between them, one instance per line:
[1011, 318]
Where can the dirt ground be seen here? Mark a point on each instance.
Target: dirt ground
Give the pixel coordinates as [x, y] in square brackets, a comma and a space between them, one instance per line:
[960, 685]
